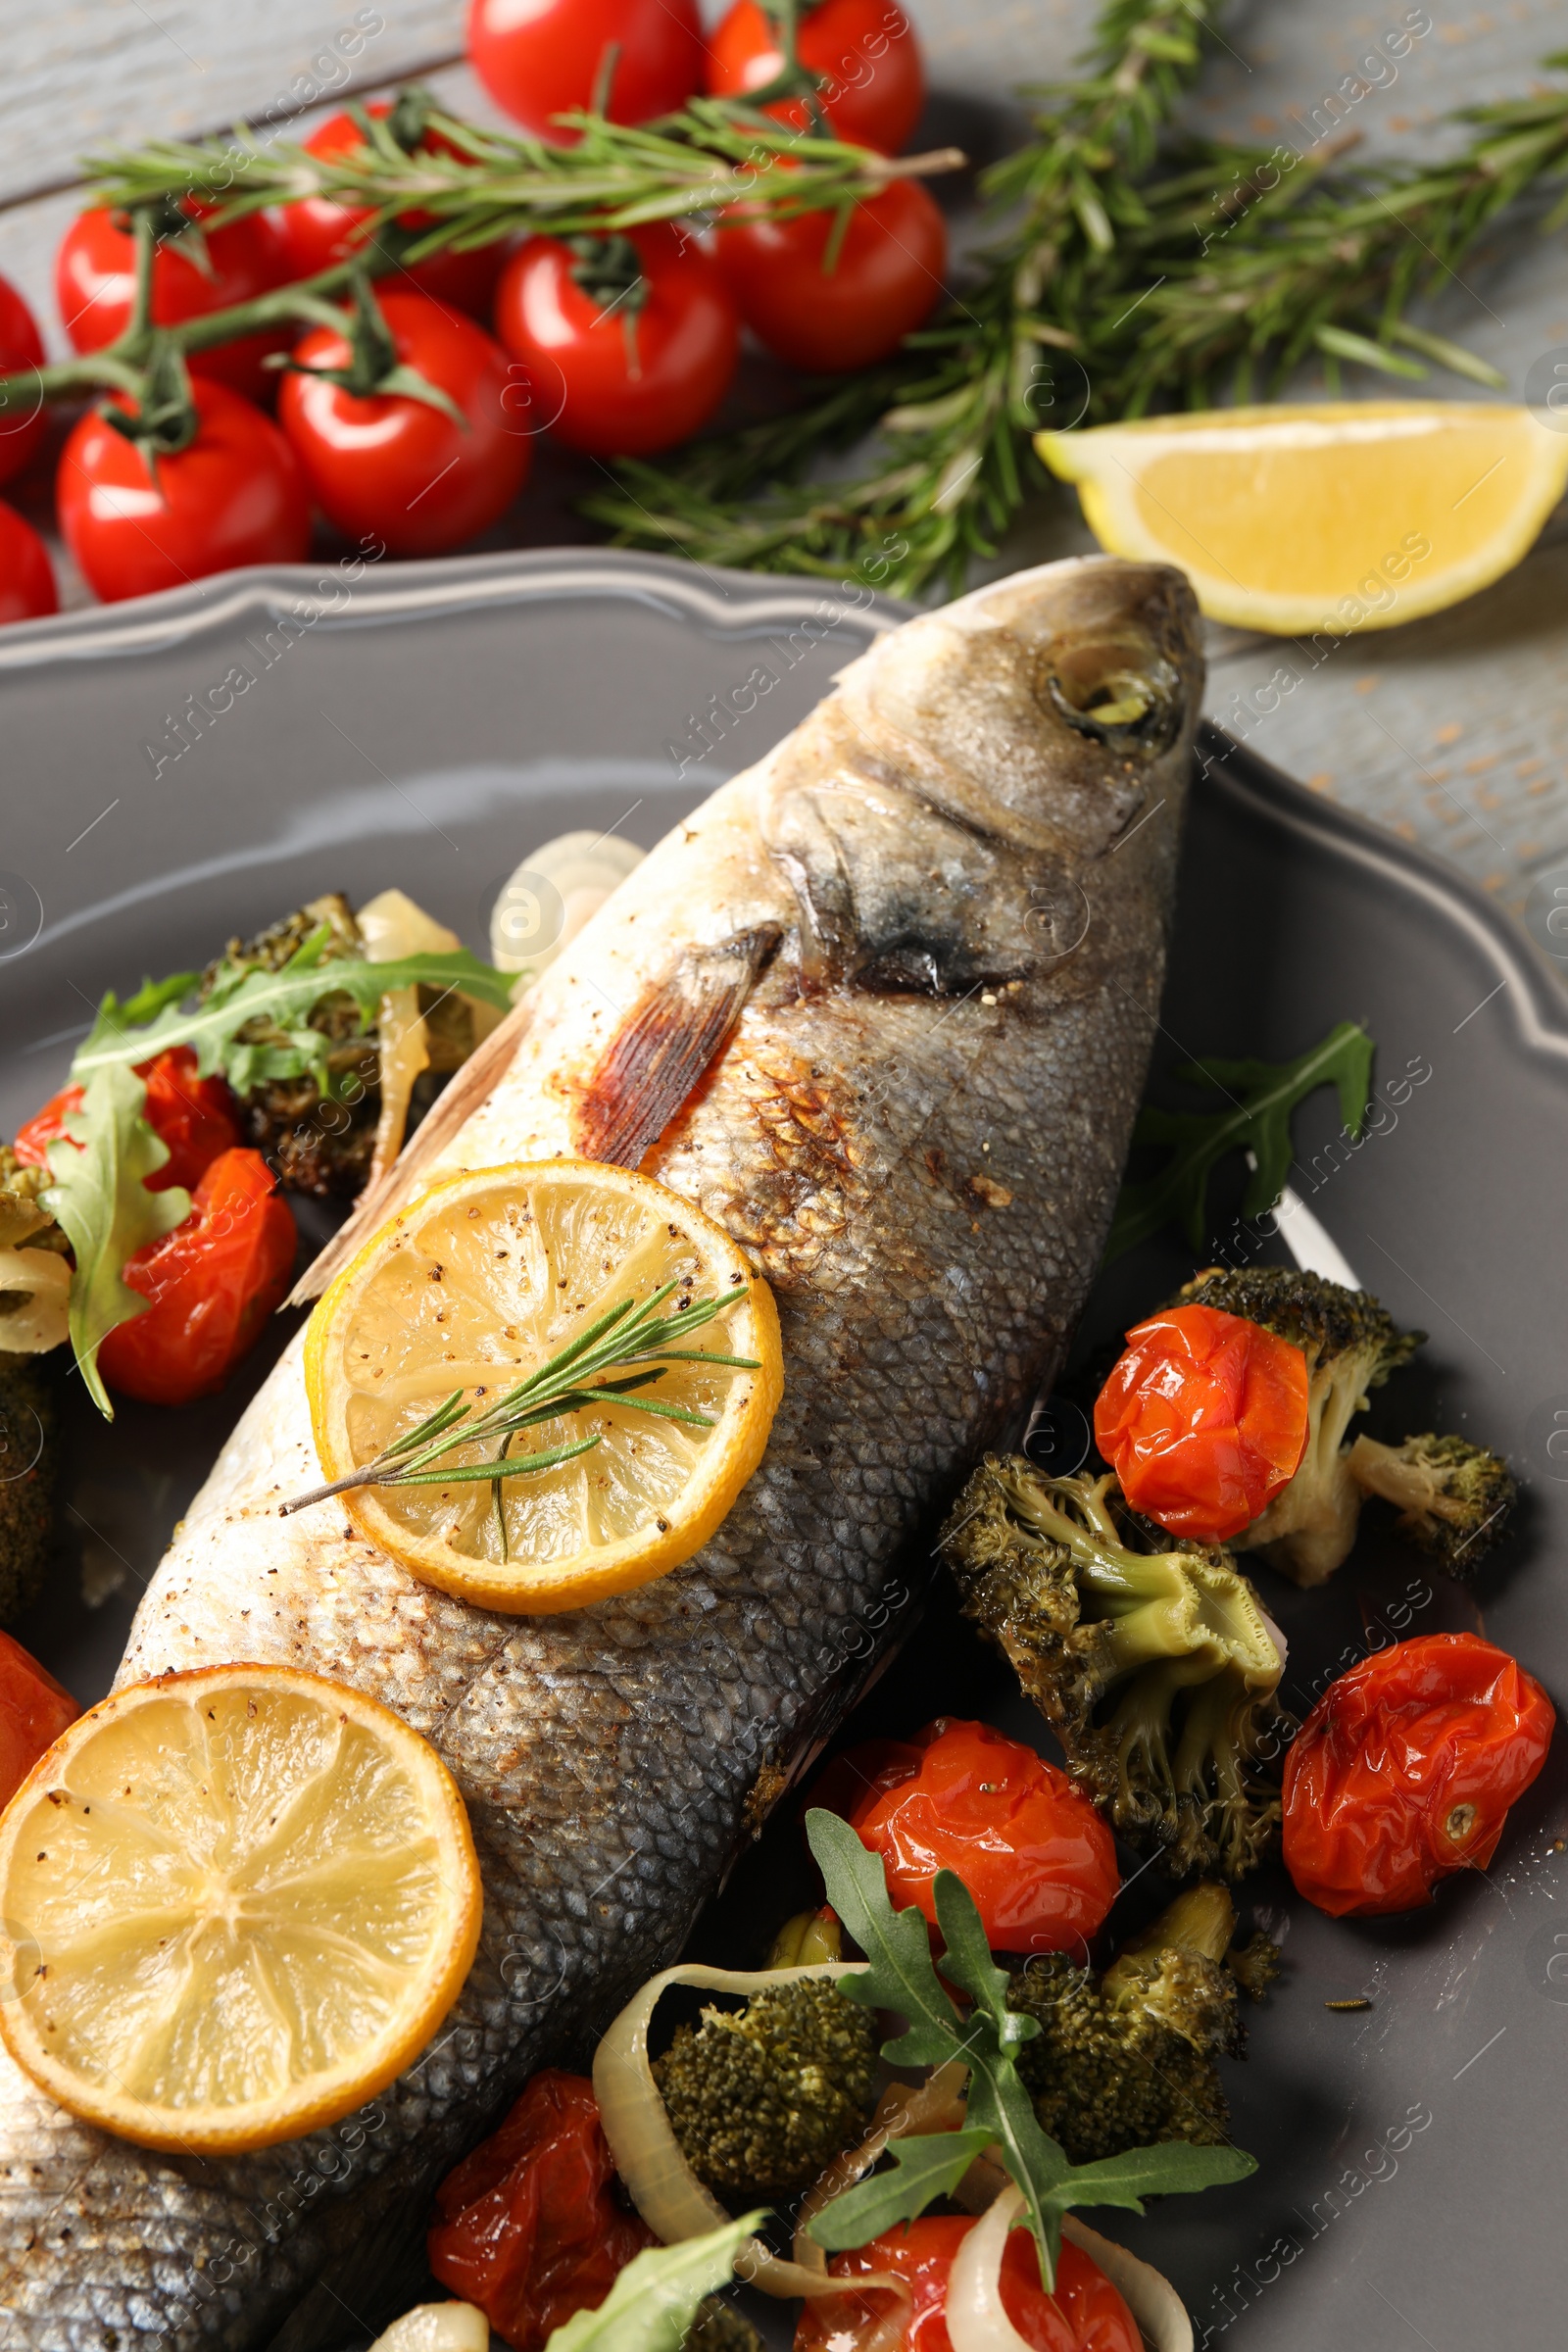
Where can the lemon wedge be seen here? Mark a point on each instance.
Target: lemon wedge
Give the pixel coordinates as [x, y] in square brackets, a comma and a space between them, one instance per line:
[1349, 514]
[474, 1288]
[238, 1902]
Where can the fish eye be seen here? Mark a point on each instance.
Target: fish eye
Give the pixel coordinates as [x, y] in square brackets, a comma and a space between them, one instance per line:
[1119, 705]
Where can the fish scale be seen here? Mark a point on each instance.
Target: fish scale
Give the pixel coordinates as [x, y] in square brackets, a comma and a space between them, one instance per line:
[916, 1123]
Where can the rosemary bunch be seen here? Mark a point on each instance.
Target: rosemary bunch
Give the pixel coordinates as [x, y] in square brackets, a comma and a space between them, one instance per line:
[955, 406]
[575, 1378]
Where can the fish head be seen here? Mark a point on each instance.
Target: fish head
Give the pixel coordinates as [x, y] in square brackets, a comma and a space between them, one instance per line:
[1053, 708]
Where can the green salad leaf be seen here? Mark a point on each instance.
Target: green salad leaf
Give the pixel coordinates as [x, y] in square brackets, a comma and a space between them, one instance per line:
[899, 1974]
[1260, 1097]
[654, 2298]
[100, 1199]
[275, 1008]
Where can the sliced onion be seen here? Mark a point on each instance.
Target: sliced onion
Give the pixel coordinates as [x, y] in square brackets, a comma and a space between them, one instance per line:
[556, 893]
[902, 2112]
[437, 2327]
[39, 1280]
[393, 926]
[648, 2158]
[976, 2317]
[1154, 2302]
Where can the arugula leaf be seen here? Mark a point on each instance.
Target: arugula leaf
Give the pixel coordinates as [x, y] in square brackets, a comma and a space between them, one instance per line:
[929, 2166]
[100, 1199]
[654, 2298]
[159, 1016]
[1262, 1095]
[901, 1975]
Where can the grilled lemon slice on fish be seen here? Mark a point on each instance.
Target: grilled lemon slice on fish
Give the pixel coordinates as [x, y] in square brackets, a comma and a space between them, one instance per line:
[238, 1902]
[483, 1285]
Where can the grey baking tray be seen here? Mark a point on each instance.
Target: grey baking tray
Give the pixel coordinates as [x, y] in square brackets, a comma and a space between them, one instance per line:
[427, 725]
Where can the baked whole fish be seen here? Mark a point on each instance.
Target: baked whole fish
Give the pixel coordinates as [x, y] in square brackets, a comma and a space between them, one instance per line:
[882, 1007]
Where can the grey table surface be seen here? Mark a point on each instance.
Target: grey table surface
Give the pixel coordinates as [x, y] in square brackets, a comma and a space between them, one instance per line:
[1448, 730]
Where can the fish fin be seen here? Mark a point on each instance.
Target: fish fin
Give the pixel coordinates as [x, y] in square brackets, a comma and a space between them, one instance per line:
[453, 1108]
[664, 1046]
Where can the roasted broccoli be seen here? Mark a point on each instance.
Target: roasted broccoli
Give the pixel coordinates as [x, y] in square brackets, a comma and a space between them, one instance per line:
[1157, 1669]
[763, 2099]
[720, 2327]
[1453, 1499]
[29, 1447]
[1127, 2059]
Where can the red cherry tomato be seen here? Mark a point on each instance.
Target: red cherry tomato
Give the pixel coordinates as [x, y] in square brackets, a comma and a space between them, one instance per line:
[1085, 2313]
[34, 1709]
[613, 383]
[530, 2230]
[1203, 1420]
[398, 468]
[882, 285]
[236, 496]
[866, 48]
[318, 234]
[212, 1282]
[544, 58]
[1035, 1855]
[27, 575]
[1405, 1769]
[95, 283]
[194, 1116]
[21, 346]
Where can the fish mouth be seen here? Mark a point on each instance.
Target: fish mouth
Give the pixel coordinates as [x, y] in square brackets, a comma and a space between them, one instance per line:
[1126, 697]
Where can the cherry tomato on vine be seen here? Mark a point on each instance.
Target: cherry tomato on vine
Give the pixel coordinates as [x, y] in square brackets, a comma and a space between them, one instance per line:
[1035, 1855]
[544, 58]
[95, 284]
[629, 343]
[34, 1709]
[318, 234]
[213, 1282]
[194, 1116]
[867, 50]
[235, 496]
[828, 310]
[530, 2228]
[388, 464]
[27, 575]
[1085, 2313]
[1204, 1419]
[21, 346]
[1405, 1769]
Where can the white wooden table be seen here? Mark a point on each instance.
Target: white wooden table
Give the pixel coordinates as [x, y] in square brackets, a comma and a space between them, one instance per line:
[1452, 731]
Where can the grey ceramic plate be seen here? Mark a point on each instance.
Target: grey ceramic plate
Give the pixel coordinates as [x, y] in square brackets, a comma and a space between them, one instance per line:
[425, 726]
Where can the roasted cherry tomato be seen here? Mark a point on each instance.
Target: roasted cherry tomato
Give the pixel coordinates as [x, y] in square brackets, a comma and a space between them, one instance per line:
[829, 310]
[1035, 1855]
[236, 496]
[96, 285]
[212, 1282]
[396, 468]
[545, 58]
[1085, 2313]
[629, 343]
[1405, 1769]
[866, 50]
[21, 346]
[1203, 1420]
[27, 575]
[194, 1116]
[530, 2228]
[34, 1709]
[318, 234]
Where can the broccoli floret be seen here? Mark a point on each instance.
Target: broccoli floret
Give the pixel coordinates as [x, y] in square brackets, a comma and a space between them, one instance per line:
[30, 1448]
[719, 2326]
[1255, 1964]
[763, 2099]
[1351, 1345]
[1128, 2059]
[1157, 1669]
[1453, 1499]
